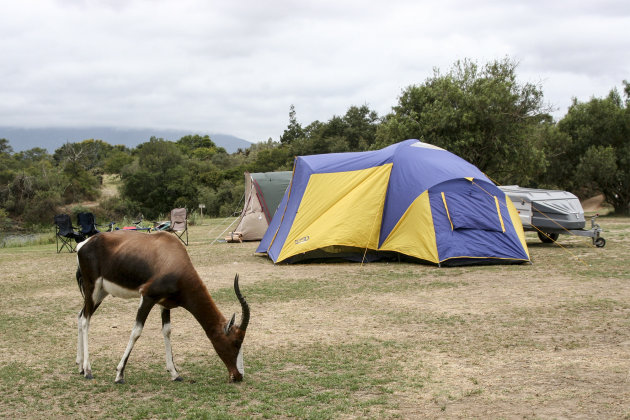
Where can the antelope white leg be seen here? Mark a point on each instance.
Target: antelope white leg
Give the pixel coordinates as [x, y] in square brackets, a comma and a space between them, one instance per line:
[143, 312]
[80, 343]
[120, 370]
[166, 331]
[85, 326]
[83, 359]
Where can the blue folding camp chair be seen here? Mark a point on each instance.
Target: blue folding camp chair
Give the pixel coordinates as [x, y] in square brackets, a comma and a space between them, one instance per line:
[65, 233]
[87, 224]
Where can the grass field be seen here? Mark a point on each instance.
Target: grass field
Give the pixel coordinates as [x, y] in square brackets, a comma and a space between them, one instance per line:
[382, 340]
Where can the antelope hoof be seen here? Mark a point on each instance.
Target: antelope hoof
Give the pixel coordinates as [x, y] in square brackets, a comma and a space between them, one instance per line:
[88, 375]
[178, 379]
[119, 381]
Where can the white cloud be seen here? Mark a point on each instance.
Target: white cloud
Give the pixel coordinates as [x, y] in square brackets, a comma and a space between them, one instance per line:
[236, 67]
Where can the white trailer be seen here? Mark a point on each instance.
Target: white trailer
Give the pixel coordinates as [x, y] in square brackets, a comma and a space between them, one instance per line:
[551, 213]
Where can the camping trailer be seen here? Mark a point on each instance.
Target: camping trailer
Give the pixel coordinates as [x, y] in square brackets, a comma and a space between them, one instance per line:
[551, 213]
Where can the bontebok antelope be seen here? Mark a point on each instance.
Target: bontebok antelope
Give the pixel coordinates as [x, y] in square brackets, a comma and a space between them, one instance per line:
[157, 269]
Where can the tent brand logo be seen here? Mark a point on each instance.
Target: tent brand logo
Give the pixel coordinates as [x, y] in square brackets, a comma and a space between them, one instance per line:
[302, 240]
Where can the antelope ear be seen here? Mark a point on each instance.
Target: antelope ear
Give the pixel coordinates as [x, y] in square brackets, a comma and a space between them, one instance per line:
[229, 324]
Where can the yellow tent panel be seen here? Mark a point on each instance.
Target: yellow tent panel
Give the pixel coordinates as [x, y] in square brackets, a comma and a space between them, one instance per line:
[414, 233]
[341, 208]
[516, 220]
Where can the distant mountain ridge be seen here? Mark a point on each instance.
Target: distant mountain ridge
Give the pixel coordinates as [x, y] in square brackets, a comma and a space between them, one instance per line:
[51, 138]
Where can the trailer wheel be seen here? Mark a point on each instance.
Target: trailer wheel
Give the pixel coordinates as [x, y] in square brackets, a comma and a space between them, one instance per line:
[548, 238]
[600, 242]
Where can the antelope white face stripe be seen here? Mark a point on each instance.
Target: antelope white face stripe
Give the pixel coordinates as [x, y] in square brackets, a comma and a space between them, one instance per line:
[239, 362]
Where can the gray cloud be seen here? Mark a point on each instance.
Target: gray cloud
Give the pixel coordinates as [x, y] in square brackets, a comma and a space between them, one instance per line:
[236, 67]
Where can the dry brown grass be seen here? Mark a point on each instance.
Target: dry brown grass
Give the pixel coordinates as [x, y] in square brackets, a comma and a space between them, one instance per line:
[547, 340]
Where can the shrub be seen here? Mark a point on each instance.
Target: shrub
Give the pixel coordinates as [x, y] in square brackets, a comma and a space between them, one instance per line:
[5, 221]
[42, 208]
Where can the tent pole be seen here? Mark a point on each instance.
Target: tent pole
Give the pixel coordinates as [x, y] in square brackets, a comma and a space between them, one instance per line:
[368, 239]
[222, 233]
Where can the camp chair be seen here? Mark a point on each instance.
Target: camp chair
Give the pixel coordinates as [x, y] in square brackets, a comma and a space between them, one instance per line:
[65, 233]
[87, 224]
[179, 224]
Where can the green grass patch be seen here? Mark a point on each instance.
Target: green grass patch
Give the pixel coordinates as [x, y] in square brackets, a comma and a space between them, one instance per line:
[342, 340]
[317, 288]
[316, 381]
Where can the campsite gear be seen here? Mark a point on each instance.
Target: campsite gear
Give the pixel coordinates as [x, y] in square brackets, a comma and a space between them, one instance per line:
[136, 226]
[263, 193]
[87, 224]
[408, 200]
[179, 224]
[162, 225]
[551, 213]
[65, 233]
[234, 237]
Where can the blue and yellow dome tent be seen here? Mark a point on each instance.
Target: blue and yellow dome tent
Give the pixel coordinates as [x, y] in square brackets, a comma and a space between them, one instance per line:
[410, 199]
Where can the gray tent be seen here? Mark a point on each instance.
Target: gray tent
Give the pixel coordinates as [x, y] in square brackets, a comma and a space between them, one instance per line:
[263, 192]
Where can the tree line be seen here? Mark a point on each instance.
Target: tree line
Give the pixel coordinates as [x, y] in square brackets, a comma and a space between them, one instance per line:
[479, 112]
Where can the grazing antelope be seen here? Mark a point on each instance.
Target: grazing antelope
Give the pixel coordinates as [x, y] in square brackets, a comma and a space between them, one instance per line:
[157, 269]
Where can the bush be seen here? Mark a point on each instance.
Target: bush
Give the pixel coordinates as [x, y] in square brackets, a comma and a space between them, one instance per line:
[42, 208]
[115, 208]
[5, 221]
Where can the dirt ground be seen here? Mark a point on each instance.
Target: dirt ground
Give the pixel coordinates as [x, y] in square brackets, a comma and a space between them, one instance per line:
[546, 340]
[593, 204]
[549, 340]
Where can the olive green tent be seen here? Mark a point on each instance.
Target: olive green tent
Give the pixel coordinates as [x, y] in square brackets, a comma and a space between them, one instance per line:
[263, 192]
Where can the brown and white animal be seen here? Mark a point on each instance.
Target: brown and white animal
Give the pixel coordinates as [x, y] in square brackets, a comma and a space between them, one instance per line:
[157, 269]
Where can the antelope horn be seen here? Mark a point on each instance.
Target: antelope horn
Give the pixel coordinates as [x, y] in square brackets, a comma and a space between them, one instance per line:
[244, 305]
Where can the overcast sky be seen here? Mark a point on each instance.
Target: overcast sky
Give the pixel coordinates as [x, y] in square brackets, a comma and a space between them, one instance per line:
[235, 67]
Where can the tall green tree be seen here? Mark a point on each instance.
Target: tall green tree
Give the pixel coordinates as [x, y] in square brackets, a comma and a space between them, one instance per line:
[117, 159]
[360, 127]
[200, 147]
[268, 157]
[355, 131]
[90, 154]
[6, 163]
[294, 130]
[159, 180]
[481, 113]
[81, 163]
[597, 157]
[555, 144]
